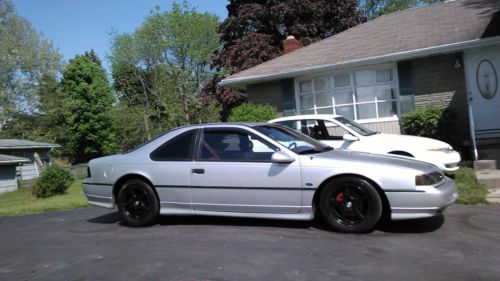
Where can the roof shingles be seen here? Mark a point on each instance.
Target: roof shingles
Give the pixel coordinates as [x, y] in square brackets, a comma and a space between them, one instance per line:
[7, 160]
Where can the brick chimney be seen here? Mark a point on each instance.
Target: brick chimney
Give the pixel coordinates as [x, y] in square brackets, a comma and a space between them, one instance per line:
[291, 44]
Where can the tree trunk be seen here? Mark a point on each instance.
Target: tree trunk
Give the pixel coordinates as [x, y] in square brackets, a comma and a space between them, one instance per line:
[186, 110]
[146, 124]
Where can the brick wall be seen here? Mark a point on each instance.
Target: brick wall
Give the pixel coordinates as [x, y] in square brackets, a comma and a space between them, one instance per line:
[438, 82]
[279, 94]
[434, 99]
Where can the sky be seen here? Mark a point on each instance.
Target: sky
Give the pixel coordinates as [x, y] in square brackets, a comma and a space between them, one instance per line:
[76, 26]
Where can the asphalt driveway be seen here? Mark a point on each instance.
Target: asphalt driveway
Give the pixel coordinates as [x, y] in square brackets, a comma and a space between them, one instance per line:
[90, 244]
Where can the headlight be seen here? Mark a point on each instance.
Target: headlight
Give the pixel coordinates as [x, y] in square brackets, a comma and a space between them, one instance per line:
[429, 179]
[445, 149]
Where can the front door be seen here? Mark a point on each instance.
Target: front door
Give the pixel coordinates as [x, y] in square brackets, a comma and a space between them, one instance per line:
[234, 173]
[483, 78]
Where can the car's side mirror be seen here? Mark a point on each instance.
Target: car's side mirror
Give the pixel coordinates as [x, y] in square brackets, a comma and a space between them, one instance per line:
[349, 137]
[281, 157]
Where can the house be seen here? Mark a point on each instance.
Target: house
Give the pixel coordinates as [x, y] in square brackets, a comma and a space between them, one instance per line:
[35, 152]
[8, 174]
[446, 54]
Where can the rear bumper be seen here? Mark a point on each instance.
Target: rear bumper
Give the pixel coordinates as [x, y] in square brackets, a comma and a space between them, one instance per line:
[426, 201]
[100, 195]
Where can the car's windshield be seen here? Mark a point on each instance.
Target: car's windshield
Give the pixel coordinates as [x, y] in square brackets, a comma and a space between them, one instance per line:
[355, 126]
[294, 141]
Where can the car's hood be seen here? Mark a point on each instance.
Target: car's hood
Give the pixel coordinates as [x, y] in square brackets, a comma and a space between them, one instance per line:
[407, 141]
[364, 158]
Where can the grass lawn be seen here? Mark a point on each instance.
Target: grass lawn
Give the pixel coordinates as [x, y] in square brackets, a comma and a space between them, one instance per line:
[21, 202]
[470, 191]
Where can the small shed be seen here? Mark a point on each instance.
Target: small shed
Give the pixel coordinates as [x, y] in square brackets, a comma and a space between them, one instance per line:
[36, 152]
[8, 174]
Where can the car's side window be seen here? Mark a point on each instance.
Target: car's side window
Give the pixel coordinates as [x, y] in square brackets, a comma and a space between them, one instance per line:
[335, 132]
[180, 148]
[292, 124]
[313, 129]
[318, 129]
[297, 125]
[234, 145]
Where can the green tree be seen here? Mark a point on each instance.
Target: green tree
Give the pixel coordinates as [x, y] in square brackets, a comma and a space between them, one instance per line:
[34, 126]
[254, 31]
[88, 102]
[160, 68]
[24, 58]
[375, 8]
[44, 124]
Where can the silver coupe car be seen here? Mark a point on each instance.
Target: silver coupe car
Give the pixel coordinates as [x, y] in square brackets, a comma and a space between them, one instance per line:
[263, 171]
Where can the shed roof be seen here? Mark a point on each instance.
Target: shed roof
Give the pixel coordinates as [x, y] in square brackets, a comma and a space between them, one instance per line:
[401, 32]
[7, 159]
[19, 144]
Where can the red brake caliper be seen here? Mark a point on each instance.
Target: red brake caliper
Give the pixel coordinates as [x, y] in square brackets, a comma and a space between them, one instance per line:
[339, 197]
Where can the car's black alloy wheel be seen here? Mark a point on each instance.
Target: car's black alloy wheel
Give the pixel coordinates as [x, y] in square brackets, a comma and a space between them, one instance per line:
[137, 203]
[350, 204]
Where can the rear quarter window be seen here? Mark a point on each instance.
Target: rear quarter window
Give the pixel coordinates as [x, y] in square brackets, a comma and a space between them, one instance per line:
[179, 148]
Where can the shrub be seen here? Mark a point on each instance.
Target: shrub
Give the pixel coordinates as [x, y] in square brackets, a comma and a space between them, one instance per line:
[53, 180]
[248, 112]
[470, 191]
[434, 122]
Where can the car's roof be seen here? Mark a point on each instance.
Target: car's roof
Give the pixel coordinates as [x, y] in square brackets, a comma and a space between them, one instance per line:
[200, 126]
[306, 117]
[222, 124]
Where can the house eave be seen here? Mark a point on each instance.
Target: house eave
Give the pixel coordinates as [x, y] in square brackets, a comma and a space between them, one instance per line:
[9, 162]
[29, 147]
[393, 57]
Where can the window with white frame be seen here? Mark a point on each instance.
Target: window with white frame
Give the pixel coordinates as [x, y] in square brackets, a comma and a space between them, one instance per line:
[360, 94]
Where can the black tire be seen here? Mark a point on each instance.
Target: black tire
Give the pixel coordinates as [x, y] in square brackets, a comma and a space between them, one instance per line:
[350, 204]
[137, 204]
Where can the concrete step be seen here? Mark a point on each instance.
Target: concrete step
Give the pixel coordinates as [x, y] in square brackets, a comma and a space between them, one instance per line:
[490, 178]
[493, 196]
[488, 152]
[480, 165]
[489, 149]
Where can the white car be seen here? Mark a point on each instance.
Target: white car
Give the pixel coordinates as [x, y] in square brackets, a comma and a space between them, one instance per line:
[340, 132]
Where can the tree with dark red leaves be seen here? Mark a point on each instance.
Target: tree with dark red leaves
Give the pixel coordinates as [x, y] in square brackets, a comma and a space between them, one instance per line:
[254, 30]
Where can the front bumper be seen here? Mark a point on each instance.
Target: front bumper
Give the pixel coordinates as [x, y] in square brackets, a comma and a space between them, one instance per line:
[99, 194]
[425, 201]
[446, 161]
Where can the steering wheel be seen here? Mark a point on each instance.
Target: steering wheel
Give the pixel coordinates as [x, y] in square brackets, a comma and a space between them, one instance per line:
[292, 145]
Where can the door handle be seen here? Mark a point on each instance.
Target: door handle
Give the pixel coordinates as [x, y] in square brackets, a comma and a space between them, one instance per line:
[198, 171]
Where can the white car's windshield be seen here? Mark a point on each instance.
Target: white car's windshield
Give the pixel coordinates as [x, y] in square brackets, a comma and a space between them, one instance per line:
[355, 126]
[294, 141]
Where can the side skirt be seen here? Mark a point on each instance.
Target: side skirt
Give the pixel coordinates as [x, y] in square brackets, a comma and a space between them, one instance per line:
[303, 216]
